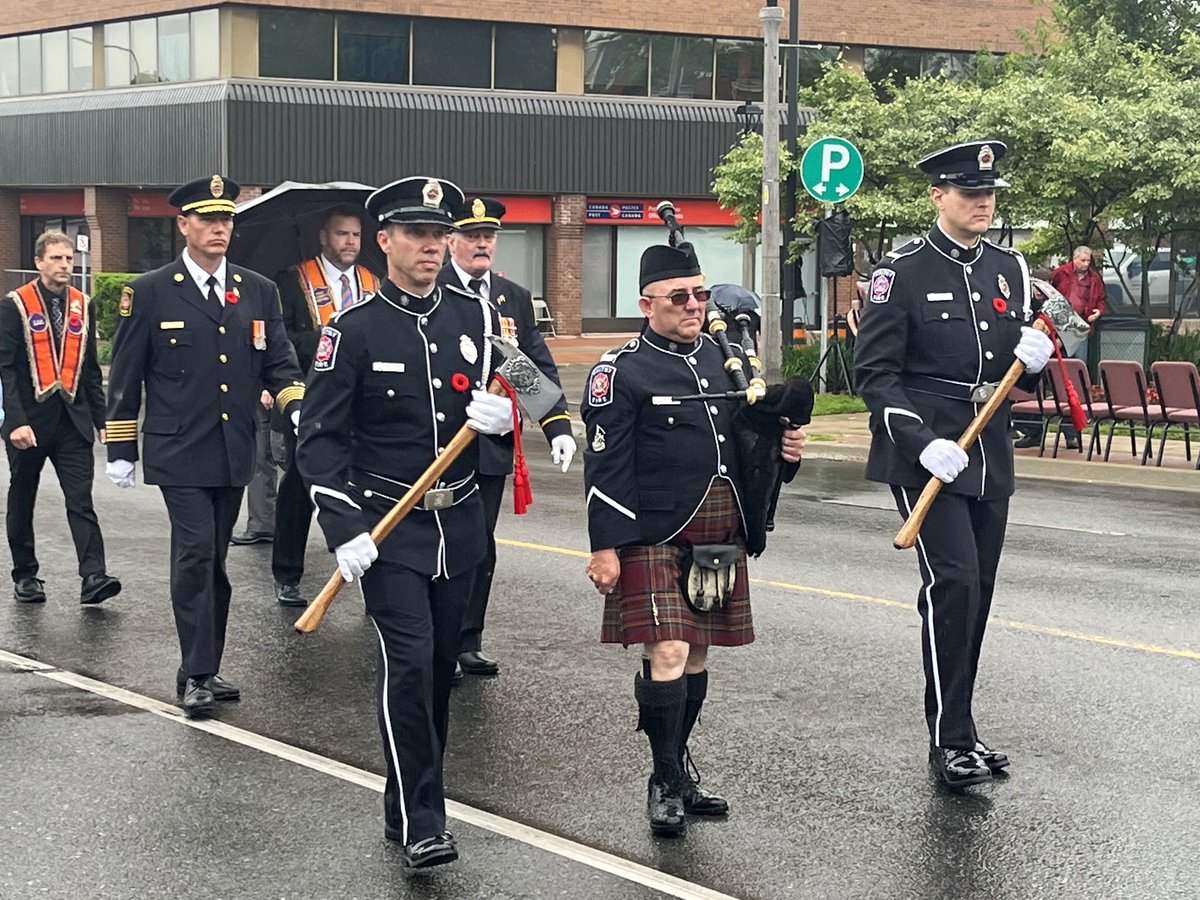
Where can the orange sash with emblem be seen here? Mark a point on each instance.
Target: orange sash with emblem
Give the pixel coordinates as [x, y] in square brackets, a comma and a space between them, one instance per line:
[54, 368]
[322, 303]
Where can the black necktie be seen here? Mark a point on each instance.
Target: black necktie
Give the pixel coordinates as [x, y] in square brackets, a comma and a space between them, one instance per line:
[476, 286]
[212, 293]
[56, 315]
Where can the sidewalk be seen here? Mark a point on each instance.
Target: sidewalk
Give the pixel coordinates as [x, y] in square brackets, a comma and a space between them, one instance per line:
[848, 438]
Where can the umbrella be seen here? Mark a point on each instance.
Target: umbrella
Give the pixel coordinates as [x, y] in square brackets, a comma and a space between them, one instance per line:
[279, 228]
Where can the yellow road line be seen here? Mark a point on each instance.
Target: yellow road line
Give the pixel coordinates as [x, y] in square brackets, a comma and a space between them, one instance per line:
[1047, 630]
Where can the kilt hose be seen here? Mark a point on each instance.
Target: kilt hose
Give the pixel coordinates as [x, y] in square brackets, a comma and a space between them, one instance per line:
[648, 604]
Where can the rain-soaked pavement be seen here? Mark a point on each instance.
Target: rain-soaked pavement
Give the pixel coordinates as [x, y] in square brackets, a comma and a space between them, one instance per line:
[1088, 680]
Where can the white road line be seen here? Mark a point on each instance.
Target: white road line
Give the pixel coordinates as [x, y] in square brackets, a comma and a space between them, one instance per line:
[559, 846]
[832, 501]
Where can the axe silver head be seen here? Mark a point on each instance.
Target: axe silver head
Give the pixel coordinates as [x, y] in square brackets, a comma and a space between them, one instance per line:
[1072, 329]
[536, 393]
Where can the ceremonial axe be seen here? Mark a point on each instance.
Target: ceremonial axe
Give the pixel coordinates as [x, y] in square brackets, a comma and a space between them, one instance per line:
[536, 394]
[1057, 318]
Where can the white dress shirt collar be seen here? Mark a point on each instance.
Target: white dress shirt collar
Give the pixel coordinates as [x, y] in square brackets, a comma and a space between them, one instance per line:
[201, 277]
[486, 278]
[334, 276]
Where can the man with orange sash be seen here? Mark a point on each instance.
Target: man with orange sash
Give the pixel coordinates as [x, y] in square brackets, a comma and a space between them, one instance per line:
[311, 293]
[53, 406]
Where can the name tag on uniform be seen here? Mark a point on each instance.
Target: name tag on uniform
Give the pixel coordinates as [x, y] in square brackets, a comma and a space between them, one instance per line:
[935, 298]
[387, 367]
[170, 326]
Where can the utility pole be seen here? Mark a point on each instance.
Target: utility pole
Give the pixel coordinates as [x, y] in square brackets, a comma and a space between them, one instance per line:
[771, 347]
[792, 287]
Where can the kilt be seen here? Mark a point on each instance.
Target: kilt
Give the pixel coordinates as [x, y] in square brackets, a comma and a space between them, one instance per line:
[648, 604]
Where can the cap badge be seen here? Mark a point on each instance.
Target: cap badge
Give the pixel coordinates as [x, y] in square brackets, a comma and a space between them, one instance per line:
[478, 209]
[216, 186]
[986, 158]
[1002, 283]
[432, 193]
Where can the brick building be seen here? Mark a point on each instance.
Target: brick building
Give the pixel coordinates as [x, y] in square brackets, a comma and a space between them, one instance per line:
[582, 115]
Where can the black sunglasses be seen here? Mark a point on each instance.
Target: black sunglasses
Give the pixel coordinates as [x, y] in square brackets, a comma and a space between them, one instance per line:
[679, 297]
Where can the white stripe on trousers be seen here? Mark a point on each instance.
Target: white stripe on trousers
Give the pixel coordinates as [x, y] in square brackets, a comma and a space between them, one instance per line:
[387, 722]
[933, 657]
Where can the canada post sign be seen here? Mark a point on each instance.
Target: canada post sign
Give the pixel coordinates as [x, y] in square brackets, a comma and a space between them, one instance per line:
[616, 211]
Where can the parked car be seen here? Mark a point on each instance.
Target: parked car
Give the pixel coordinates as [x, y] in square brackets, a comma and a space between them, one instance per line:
[1129, 265]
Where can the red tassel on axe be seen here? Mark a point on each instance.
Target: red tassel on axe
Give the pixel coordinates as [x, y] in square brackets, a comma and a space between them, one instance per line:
[1078, 416]
[522, 493]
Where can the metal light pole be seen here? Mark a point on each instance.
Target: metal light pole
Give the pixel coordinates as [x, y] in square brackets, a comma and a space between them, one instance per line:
[772, 342]
[792, 288]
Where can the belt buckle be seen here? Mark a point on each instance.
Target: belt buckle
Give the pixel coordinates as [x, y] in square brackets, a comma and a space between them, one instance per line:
[441, 498]
[981, 393]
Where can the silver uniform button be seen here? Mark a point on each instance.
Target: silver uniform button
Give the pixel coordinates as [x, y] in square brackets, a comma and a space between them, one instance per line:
[954, 252]
[437, 382]
[975, 296]
[433, 347]
[691, 360]
[391, 393]
[713, 410]
[968, 270]
[368, 493]
[441, 450]
[721, 438]
[723, 470]
[989, 355]
[441, 417]
[670, 420]
[983, 326]
[425, 319]
[703, 382]
[945, 315]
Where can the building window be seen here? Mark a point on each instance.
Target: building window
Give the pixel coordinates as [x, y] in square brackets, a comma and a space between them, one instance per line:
[174, 57]
[953, 66]
[152, 243]
[739, 70]
[10, 68]
[30, 53]
[616, 62]
[55, 66]
[891, 65]
[681, 67]
[526, 58]
[80, 52]
[452, 53]
[372, 48]
[812, 62]
[143, 47]
[206, 44]
[295, 43]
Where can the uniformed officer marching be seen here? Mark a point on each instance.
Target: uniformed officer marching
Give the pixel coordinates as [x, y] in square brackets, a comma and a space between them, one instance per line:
[472, 252]
[661, 479]
[393, 380]
[946, 315]
[205, 337]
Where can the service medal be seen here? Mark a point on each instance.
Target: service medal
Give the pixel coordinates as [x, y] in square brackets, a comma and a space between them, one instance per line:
[469, 351]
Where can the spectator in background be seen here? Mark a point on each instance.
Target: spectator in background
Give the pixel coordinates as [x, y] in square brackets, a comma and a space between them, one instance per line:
[1083, 287]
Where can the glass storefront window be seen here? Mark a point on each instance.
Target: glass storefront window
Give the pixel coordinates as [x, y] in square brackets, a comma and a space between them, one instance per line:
[812, 62]
[739, 70]
[119, 66]
[55, 66]
[452, 53]
[10, 68]
[895, 65]
[143, 42]
[597, 272]
[616, 62]
[372, 48]
[29, 49]
[954, 66]
[520, 256]
[152, 243]
[526, 58]
[206, 43]
[79, 51]
[174, 55]
[681, 67]
[294, 43]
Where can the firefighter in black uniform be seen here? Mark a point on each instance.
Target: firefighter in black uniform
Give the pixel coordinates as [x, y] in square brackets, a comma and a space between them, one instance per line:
[662, 478]
[205, 337]
[393, 380]
[946, 315]
[472, 250]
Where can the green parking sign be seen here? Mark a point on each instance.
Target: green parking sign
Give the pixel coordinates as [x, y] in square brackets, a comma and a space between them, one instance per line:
[831, 169]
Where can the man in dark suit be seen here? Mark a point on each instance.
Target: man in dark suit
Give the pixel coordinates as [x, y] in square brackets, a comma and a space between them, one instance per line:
[53, 405]
[472, 252]
[205, 337]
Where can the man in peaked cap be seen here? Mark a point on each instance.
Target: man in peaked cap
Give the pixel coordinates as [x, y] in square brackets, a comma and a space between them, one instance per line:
[204, 337]
[661, 480]
[393, 379]
[472, 254]
[946, 316]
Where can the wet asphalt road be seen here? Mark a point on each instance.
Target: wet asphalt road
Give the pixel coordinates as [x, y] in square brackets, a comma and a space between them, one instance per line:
[814, 733]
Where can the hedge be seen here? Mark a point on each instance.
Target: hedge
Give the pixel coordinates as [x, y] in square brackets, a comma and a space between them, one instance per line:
[106, 294]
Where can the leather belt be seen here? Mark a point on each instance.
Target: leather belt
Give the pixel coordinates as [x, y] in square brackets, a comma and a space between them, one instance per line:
[442, 497]
[951, 390]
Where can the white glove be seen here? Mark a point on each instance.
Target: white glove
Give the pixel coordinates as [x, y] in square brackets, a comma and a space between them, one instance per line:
[562, 451]
[355, 556]
[489, 413]
[1034, 349]
[121, 473]
[944, 459]
[296, 422]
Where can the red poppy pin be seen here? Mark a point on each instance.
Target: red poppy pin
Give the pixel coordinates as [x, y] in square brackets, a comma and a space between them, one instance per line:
[231, 297]
[1000, 306]
[460, 382]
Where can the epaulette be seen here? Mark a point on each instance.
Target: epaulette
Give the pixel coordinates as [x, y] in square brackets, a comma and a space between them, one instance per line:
[1009, 250]
[367, 297]
[907, 250]
[461, 291]
[612, 355]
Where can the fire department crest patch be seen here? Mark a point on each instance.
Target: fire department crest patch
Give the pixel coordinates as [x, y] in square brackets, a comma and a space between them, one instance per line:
[600, 385]
[881, 285]
[326, 355]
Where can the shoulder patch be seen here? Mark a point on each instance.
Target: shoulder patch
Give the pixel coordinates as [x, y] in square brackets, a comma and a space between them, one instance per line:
[600, 385]
[125, 304]
[327, 347]
[881, 285]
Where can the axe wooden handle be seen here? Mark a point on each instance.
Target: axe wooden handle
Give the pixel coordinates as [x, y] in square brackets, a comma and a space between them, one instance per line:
[906, 537]
[311, 617]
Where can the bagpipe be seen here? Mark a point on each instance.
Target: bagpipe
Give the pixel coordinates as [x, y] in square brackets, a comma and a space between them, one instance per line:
[764, 412]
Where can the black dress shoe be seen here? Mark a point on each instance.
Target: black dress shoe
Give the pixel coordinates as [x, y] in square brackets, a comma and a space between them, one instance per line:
[993, 759]
[958, 768]
[29, 590]
[289, 595]
[98, 588]
[664, 808]
[1073, 443]
[1027, 440]
[474, 662]
[217, 686]
[198, 701]
[457, 678]
[431, 851]
[699, 802]
[252, 537]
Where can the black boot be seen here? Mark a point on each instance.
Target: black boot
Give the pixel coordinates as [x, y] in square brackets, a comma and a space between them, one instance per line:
[660, 715]
[696, 800]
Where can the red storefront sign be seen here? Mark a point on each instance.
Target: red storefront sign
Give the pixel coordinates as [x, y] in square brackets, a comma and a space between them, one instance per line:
[150, 205]
[525, 210]
[52, 203]
[642, 212]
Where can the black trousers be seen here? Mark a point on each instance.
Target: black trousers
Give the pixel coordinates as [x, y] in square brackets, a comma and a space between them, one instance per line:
[293, 515]
[418, 620]
[491, 491]
[958, 552]
[71, 455]
[202, 520]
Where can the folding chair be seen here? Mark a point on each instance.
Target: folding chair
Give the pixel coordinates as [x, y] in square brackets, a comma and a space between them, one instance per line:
[541, 316]
[1098, 411]
[1178, 386]
[1125, 389]
[1025, 404]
